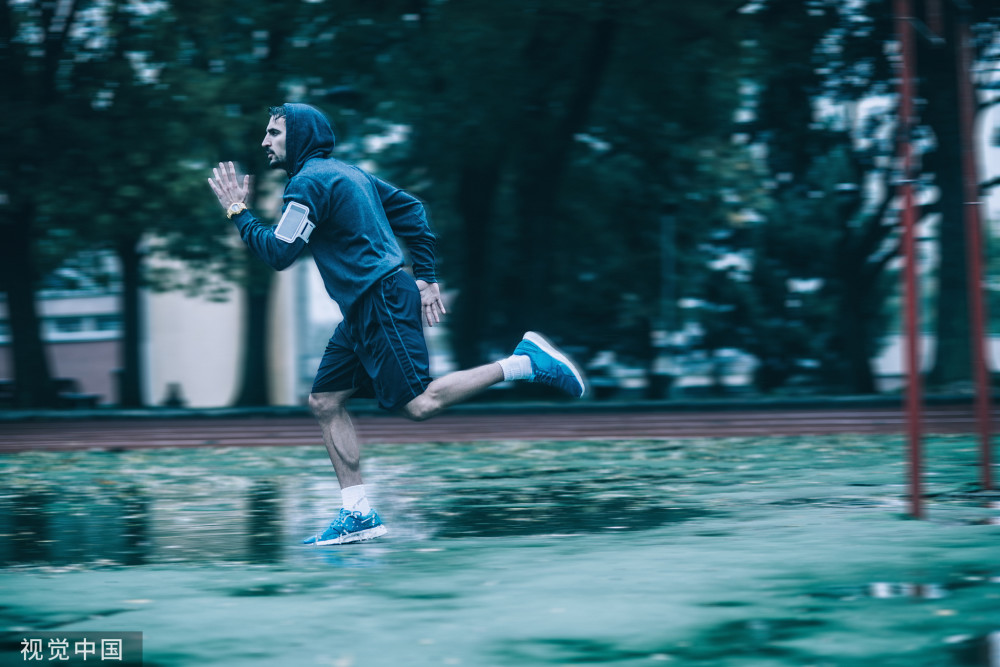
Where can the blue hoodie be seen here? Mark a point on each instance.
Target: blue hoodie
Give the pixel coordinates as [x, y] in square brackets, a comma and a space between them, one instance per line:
[357, 216]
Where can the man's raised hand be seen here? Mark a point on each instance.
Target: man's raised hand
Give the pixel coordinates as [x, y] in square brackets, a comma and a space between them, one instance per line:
[227, 186]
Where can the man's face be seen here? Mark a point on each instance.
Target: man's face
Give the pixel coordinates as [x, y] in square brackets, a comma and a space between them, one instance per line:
[274, 143]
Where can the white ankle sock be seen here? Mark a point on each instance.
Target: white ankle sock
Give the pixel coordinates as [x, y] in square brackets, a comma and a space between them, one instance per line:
[355, 499]
[516, 367]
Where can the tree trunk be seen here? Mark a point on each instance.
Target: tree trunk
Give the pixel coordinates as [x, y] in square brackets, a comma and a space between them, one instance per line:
[952, 362]
[254, 389]
[33, 386]
[548, 137]
[479, 180]
[855, 323]
[862, 297]
[130, 380]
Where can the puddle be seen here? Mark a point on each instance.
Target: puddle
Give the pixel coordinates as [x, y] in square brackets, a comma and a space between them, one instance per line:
[557, 510]
[140, 508]
[883, 590]
[830, 502]
[762, 636]
[41, 526]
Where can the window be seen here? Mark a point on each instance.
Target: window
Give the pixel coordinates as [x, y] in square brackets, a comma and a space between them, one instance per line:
[109, 323]
[65, 325]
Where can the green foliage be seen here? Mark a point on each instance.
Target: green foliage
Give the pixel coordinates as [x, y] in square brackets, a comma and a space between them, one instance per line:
[549, 140]
[570, 154]
[812, 306]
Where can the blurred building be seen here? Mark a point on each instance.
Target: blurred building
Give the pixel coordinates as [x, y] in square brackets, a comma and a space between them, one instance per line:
[81, 323]
[192, 345]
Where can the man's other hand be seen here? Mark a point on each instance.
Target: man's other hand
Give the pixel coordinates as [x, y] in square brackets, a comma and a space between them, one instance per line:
[430, 302]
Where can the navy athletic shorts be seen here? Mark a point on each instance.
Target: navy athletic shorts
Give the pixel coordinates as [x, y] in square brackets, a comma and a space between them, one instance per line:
[379, 349]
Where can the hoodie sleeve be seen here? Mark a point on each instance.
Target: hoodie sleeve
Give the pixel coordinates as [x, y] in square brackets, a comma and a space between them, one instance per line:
[260, 238]
[262, 242]
[408, 220]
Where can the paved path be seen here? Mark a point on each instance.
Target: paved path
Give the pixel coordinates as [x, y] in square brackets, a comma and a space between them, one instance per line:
[69, 434]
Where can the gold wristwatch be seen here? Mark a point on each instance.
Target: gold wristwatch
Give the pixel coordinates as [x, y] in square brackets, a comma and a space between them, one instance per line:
[235, 209]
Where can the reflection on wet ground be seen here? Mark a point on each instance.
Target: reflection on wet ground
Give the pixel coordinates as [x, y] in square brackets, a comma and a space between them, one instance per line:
[775, 551]
[133, 508]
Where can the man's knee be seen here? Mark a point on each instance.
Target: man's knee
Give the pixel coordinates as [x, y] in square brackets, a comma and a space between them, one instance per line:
[422, 407]
[327, 405]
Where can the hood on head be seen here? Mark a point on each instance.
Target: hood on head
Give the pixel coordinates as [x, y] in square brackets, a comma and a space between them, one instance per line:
[308, 135]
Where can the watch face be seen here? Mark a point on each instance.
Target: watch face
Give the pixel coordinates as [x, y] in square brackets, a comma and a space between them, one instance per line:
[234, 208]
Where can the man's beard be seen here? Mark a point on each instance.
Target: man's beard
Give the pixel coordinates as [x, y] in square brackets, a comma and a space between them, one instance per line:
[276, 163]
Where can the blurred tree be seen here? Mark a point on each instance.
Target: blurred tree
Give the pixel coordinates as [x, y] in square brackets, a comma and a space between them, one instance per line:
[673, 180]
[937, 59]
[603, 132]
[98, 135]
[830, 141]
[493, 102]
[149, 97]
[820, 258]
[141, 190]
[553, 137]
[34, 41]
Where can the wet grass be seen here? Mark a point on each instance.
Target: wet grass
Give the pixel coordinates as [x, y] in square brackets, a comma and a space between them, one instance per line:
[772, 551]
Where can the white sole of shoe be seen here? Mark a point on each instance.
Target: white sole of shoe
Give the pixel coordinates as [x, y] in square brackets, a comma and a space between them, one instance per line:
[554, 352]
[360, 536]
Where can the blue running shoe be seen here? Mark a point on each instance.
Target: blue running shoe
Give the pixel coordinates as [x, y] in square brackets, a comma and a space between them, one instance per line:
[550, 366]
[349, 527]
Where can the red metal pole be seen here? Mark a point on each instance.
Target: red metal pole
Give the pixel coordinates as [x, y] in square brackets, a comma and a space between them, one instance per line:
[904, 31]
[977, 308]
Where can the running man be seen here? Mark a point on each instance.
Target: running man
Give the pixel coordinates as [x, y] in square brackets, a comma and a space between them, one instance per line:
[351, 221]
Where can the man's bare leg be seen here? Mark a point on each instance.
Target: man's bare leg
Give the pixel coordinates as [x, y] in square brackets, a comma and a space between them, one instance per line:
[339, 436]
[341, 440]
[453, 388]
[534, 349]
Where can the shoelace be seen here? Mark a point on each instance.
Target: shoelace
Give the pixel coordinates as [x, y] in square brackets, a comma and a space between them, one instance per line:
[345, 515]
[339, 524]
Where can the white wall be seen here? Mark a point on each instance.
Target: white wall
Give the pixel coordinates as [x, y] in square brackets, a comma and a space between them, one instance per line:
[195, 343]
[282, 339]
